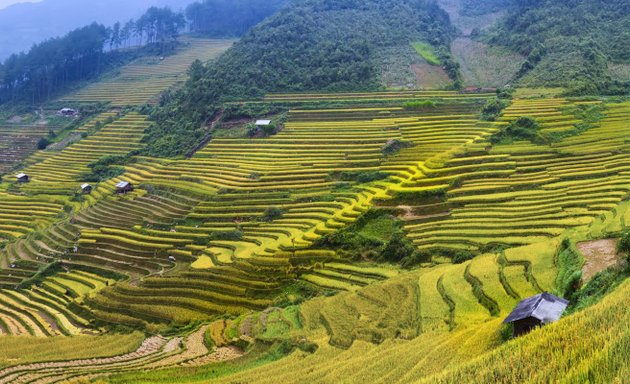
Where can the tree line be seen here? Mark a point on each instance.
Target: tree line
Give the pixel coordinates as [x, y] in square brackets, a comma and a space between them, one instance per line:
[54, 65]
[229, 18]
[157, 25]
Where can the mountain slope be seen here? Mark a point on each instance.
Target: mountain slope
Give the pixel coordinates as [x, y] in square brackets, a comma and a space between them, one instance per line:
[568, 43]
[314, 45]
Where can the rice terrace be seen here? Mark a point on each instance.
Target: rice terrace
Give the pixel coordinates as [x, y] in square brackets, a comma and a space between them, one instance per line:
[290, 191]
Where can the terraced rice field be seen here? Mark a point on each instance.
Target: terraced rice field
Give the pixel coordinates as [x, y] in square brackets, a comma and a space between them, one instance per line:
[370, 96]
[17, 142]
[60, 172]
[144, 80]
[400, 330]
[524, 193]
[195, 241]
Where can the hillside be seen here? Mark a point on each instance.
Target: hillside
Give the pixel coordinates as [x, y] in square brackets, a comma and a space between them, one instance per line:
[571, 44]
[312, 45]
[197, 239]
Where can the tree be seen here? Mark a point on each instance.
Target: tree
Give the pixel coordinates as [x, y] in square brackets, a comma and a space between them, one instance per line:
[126, 32]
[51, 65]
[221, 18]
[115, 39]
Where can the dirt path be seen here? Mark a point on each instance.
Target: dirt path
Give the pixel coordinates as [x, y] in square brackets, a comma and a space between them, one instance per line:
[409, 214]
[599, 255]
[149, 346]
[218, 355]
[194, 348]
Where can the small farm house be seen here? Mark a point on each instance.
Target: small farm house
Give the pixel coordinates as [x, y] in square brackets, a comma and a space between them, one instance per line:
[22, 178]
[261, 124]
[124, 187]
[68, 112]
[86, 189]
[535, 311]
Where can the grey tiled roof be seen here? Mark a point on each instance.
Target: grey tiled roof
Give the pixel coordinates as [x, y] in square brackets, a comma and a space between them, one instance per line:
[545, 307]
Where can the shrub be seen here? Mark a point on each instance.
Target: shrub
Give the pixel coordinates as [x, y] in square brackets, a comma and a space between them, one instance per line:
[420, 105]
[462, 256]
[493, 109]
[394, 146]
[43, 143]
[570, 263]
[105, 168]
[523, 128]
[624, 244]
[269, 130]
[397, 249]
[272, 213]
[227, 236]
[363, 176]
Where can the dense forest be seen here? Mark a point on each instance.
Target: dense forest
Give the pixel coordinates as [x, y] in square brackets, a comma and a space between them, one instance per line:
[229, 18]
[157, 25]
[51, 67]
[568, 43]
[320, 45]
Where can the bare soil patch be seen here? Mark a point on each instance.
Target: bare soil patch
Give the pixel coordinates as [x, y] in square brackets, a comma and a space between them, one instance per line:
[411, 215]
[485, 66]
[430, 76]
[599, 255]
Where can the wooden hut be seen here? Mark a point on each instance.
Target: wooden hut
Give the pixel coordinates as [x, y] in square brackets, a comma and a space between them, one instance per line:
[536, 311]
[68, 112]
[86, 189]
[124, 187]
[23, 178]
[261, 124]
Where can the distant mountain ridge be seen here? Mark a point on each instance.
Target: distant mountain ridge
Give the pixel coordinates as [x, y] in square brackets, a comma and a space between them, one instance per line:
[24, 24]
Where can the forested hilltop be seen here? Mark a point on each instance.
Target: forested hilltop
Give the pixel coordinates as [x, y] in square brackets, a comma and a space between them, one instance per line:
[55, 66]
[229, 18]
[579, 44]
[317, 45]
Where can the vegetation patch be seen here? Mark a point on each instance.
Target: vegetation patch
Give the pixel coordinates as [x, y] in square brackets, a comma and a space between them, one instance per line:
[375, 236]
[105, 168]
[426, 51]
[523, 128]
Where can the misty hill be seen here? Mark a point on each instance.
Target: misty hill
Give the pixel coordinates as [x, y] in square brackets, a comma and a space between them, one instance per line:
[23, 25]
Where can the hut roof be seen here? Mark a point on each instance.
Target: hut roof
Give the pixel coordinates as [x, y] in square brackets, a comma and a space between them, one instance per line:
[21, 175]
[85, 186]
[122, 184]
[544, 307]
[263, 122]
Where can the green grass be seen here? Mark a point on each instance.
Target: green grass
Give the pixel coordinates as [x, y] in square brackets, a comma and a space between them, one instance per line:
[381, 227]
[426, 51]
